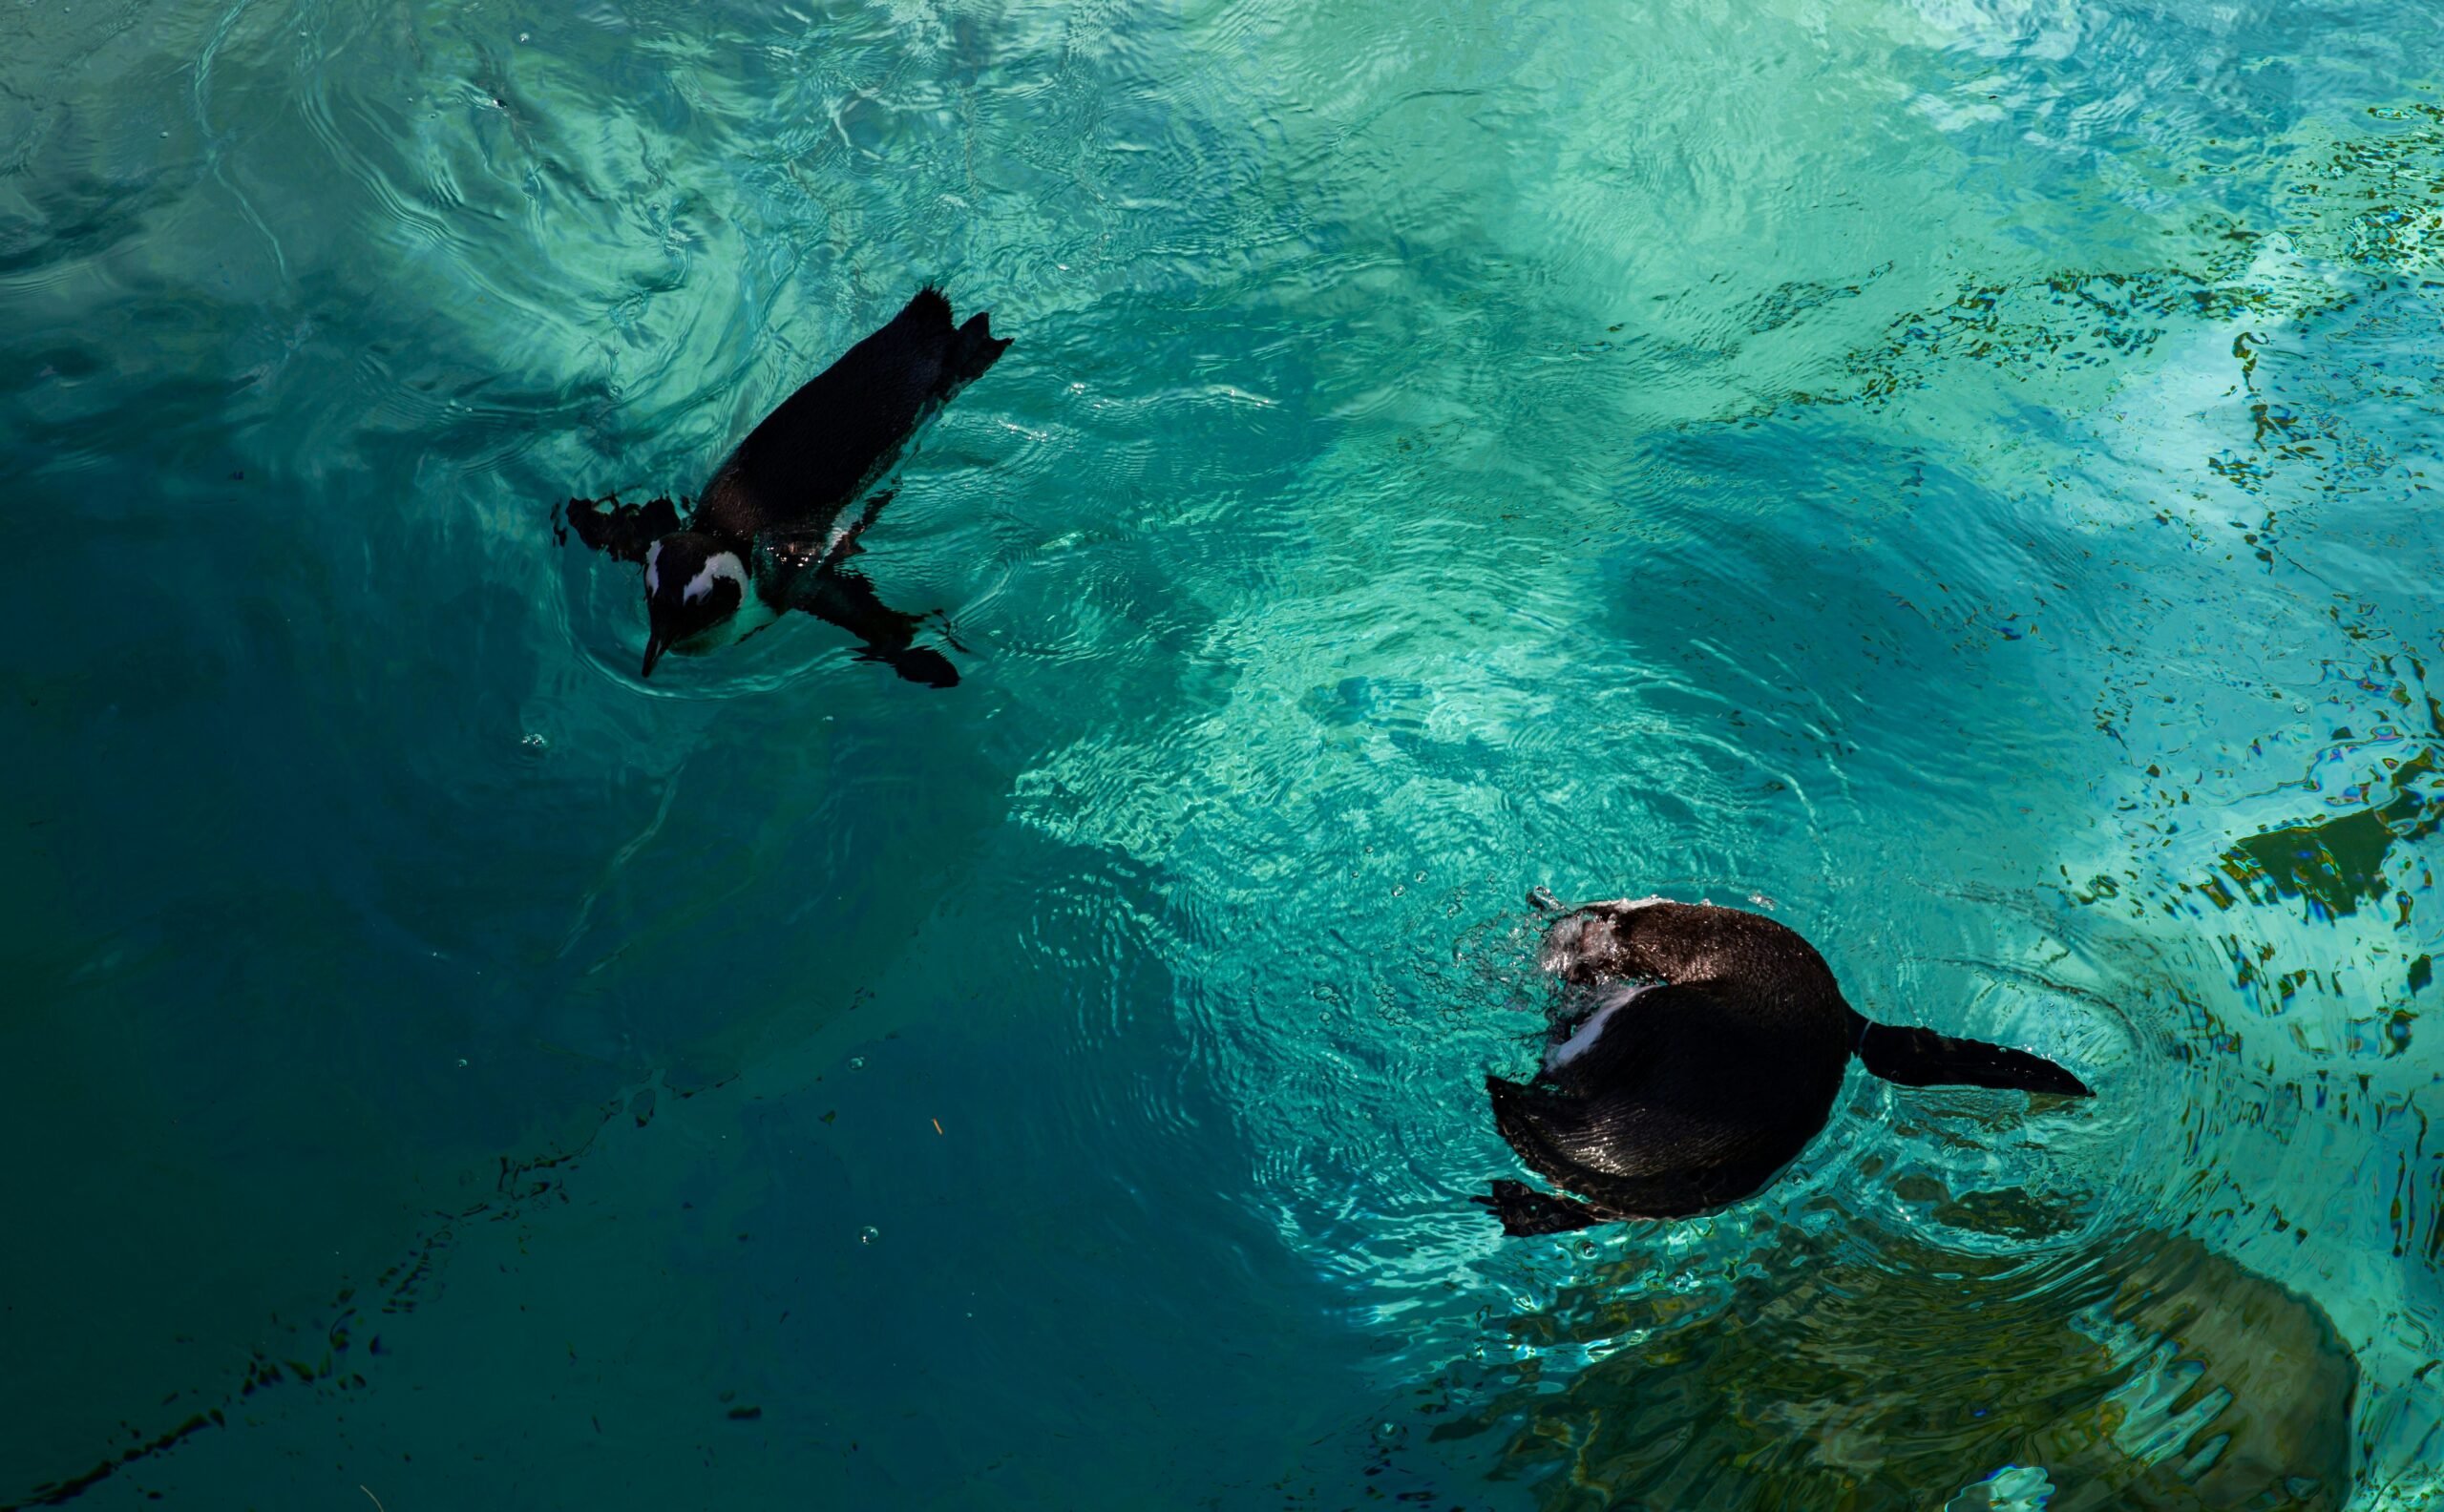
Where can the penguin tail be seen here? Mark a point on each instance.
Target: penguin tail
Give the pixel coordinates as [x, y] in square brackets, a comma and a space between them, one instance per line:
[974, 347]
[1923, 1057]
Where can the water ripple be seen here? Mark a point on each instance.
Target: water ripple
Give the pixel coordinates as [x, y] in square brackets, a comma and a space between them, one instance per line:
[1952, 474]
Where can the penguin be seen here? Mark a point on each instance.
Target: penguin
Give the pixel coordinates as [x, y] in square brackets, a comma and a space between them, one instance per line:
[1704, 1051]
[766, 537]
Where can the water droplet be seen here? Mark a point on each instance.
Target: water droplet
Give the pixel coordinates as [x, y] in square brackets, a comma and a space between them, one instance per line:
[857, 1063]
[869, 1234]
[521, 36]
[462, 1060]
[535, 743]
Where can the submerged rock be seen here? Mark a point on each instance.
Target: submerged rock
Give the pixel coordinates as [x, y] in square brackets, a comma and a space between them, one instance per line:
[2149, 1374]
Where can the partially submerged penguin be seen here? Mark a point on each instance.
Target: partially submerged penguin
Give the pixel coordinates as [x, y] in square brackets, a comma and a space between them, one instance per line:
[766, 537]
[1705, 1053]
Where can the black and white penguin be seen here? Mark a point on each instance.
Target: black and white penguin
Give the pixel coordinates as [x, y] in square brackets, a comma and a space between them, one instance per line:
[766, 537]
[1706, 1051]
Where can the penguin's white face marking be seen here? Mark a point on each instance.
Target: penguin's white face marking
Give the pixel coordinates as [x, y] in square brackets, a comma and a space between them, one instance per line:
[720, 565]
[1612, 1002]
[695, 586]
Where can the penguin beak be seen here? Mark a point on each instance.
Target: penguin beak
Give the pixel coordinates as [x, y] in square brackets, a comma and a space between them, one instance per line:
[653, 652]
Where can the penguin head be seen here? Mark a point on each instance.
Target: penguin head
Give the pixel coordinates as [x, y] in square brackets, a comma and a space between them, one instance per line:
[693, 582]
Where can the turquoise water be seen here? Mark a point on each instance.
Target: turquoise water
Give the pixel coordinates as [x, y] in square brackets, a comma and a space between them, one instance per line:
[1957, 474]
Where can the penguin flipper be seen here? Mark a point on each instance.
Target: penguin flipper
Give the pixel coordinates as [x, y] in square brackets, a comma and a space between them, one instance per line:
[1637, 1152]
[1632, 1157]
[624, 531]
[848, 599]
[1923, 1057]
[1525, 1211]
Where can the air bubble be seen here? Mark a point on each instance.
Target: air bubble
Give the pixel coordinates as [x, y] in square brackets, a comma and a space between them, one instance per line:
[869, 1234]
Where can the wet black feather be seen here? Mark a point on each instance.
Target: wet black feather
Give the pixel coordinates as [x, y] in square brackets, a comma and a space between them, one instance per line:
[1699, 1089]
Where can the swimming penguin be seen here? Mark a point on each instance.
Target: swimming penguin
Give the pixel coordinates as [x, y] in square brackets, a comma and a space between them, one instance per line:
[1705, 1053]
[765, 537]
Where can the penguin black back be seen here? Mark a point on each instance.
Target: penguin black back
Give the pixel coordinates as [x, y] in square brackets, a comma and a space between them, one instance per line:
[848, 424]
[1706, 1052]
[766, 537]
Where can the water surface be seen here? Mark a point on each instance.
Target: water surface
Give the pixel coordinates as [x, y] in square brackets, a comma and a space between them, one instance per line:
[1956, 474]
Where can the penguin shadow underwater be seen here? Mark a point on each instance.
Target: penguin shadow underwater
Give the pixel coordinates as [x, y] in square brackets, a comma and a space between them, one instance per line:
[766, 536]
[1700, 1051]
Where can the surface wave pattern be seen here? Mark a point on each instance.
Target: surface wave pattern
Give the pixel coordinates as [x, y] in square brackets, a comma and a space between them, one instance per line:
[1955, 474]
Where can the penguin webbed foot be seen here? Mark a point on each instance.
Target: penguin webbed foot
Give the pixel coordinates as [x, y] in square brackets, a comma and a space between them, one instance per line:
[1526, 1212]
[624, 531]
[948, 631]
[846, 598]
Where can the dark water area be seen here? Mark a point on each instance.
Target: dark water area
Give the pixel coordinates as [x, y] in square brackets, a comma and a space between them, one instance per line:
[1955, 474]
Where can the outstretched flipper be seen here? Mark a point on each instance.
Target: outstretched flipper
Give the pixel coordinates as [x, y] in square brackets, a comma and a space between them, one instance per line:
[1923, 1057]
[847, 599]
[624, 530]
[1525, 1211]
